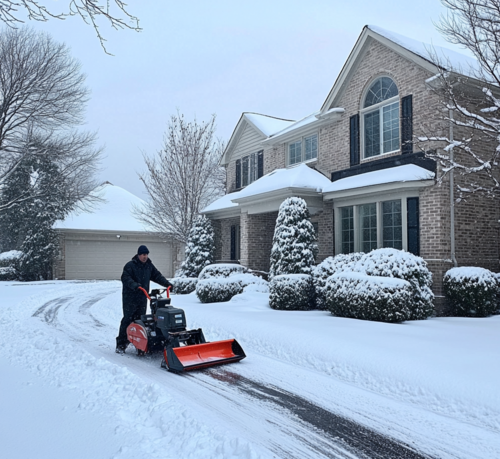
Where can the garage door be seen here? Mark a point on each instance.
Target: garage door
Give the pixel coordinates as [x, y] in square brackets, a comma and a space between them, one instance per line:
[105, 259]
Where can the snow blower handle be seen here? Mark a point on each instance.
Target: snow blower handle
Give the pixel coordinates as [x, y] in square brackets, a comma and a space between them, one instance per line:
[168, 291]
[145, 292]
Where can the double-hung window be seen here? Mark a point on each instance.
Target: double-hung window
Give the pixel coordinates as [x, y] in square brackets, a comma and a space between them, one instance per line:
[380, 118]
[368, 224]
[303, 149]
[249, 168]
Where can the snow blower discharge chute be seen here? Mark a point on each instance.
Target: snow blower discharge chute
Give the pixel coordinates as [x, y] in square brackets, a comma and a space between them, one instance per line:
[183, 350]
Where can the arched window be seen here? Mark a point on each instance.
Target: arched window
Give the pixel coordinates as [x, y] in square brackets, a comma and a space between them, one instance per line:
[380, 115]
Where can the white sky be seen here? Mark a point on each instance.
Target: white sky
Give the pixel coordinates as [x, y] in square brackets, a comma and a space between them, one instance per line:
[275, 57]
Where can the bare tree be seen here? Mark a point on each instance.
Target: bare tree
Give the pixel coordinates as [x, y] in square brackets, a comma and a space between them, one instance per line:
[41, 91]
[183, 178]
[471, 98]
[89, 10]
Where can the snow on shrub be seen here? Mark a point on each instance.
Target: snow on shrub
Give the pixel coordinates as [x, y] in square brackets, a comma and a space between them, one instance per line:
[183, 285]
[10, 265]
[200, 248]
[294, 242]
[471, 291]
[328, 267]
[402, 265]
[291, 292]
[221, 270]
[359, 296]
[221, 282]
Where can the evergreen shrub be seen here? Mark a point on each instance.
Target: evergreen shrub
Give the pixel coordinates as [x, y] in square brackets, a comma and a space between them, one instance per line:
[221, 270]
[471, 291]
[183, 285]
[291, 292]
[218, 289]
[359, 296]
[10, 265]
[402, 265]
[328, 267]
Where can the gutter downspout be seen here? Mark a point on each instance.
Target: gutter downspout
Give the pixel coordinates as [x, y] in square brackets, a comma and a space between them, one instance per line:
[452, 198]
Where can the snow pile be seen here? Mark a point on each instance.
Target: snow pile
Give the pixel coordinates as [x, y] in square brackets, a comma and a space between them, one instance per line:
[328, 267]
[402, 265]
[291, 292]
[10, 255]
[358, 296]
[471, 291]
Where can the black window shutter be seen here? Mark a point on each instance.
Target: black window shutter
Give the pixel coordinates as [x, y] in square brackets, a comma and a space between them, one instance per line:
[407, 124]
[413, 226]
[354, 139]
[238, 173]
[260, 163]
[233, 242]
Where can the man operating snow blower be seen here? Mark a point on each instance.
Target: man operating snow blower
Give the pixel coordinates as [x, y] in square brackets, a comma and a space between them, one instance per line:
[136, 273]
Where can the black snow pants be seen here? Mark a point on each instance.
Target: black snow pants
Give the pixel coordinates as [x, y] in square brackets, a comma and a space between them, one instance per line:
[131, 313]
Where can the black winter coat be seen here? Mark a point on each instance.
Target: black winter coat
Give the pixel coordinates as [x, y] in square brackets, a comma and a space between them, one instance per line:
[135, 274]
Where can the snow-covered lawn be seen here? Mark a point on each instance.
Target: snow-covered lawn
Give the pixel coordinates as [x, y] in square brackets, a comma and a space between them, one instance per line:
[433, 384]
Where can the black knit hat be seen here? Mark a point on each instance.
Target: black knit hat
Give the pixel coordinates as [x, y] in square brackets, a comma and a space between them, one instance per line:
[142, 249]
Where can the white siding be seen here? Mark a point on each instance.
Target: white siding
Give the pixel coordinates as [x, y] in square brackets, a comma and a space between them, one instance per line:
[249, 142]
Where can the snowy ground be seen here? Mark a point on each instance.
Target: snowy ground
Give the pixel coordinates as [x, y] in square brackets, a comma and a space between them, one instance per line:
[432, 386]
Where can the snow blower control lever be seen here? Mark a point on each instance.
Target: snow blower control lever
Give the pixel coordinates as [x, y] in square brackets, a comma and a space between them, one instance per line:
[183, 350]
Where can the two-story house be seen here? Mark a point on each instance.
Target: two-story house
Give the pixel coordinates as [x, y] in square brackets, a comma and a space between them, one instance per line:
[355, 162]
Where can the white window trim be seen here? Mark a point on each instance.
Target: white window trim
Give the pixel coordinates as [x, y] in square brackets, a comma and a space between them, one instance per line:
[373, 108]
[256, 168]
[378, 199]
[303, 149]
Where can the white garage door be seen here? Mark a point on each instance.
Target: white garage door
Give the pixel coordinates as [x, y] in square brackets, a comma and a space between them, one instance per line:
[106, 259]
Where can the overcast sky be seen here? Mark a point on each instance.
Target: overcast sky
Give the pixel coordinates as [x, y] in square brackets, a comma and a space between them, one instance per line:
[276, 57]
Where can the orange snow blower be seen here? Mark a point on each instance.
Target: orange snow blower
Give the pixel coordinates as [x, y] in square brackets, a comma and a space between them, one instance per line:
[183, 350]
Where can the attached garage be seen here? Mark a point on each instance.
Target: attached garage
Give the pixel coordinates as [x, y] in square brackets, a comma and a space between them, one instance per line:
[97, 245]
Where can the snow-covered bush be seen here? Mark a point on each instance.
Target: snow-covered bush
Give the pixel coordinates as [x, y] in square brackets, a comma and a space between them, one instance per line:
[221, 282]
[218, 289]
[471, 291]
[328, 267]
[291, 292]
[200, 248]
[359, 296]
[183, 285]
[9, 265]
[402, 265]
[294, 243]
[221, 270]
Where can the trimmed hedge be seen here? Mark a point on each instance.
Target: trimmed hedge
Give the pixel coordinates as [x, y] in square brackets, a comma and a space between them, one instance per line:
[10, 265]
[471, 291]
[358, 296]
[217, 290]
[402, 265]
[328, 267]
[183, 285]
[291, 292]
[221, 270]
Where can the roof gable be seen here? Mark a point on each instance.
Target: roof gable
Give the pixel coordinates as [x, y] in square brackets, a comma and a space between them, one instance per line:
[262, 126]
[428, 57]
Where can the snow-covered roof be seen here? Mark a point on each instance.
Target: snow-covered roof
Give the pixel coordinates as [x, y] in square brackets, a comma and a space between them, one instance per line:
[225, 202]
[300, 176]
[113, 213]
[268, 125]
[406, 173]
[436, 54]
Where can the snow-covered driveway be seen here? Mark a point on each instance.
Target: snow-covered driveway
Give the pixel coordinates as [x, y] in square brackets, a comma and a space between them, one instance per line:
[311, 386]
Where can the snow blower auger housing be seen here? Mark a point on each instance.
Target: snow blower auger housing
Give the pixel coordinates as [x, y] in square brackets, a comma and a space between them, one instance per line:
[183, 350]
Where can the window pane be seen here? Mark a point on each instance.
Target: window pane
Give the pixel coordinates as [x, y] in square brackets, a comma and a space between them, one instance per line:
[390, 114]
[392, 227]
[311, 147]
[295, 152]
[372, 134]
[347, 218]
[382, 89]
[253, 167]
[244, 171]
[368, 220]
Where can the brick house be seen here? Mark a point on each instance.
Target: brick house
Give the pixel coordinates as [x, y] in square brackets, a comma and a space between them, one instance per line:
[366, 183]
